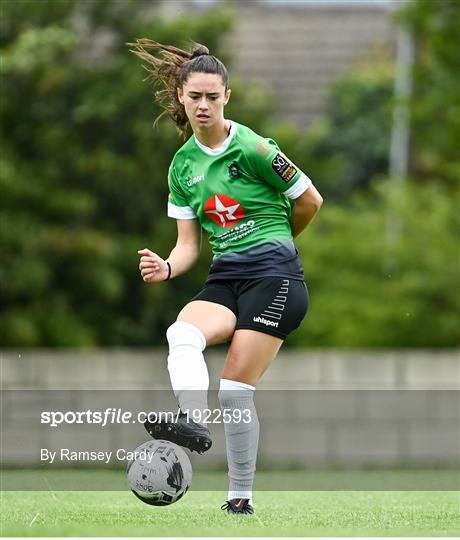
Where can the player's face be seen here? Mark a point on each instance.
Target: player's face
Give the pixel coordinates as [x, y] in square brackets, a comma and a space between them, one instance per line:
[204, 98]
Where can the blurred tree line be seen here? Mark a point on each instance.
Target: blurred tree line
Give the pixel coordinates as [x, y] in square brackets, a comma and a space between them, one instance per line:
[83, 183]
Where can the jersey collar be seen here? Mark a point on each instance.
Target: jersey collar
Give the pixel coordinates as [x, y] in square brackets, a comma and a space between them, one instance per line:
[223, 147]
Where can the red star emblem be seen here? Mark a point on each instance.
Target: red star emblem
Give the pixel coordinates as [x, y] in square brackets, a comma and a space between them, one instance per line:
[224, 210]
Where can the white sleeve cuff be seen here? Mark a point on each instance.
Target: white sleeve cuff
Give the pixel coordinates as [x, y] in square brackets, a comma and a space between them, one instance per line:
[180, 212]
[302, 184]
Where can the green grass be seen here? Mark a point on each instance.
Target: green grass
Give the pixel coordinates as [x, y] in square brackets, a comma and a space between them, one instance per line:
[283, 513]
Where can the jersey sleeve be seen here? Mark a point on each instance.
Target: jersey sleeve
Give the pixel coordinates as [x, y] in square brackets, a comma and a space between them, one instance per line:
[272, 166]
[178, 206]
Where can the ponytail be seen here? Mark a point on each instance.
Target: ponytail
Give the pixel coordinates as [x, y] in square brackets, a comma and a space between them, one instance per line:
[171, 69]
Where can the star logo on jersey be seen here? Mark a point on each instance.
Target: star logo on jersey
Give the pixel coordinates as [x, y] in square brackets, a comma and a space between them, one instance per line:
[224, 210]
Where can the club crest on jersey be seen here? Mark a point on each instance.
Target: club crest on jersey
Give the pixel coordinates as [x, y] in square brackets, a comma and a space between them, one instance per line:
[224, 210]
[284, 168]
[263, 148]
[234, 170]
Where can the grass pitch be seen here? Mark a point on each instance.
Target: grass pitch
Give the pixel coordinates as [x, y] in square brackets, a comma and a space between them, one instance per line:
[283, 513]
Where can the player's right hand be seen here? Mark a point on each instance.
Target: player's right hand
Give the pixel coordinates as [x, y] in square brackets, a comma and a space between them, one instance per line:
[152, 267]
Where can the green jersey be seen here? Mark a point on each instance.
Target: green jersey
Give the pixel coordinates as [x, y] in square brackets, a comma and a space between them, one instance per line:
[239, 192]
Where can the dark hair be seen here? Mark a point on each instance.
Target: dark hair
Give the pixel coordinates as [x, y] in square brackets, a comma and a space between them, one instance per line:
[171, 69]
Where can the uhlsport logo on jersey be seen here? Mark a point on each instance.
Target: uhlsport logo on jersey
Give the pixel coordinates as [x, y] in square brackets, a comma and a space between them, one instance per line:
[192, 181]
[224, 210]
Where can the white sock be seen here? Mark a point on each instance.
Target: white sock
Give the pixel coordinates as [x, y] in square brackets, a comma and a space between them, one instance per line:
[242, 438]
[187, 369]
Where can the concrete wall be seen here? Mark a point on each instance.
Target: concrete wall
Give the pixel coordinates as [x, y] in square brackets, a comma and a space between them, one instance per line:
[316, 408]
[304, 369]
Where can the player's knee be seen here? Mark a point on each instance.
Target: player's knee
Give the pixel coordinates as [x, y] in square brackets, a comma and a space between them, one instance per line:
[183, 333]
[233, 391]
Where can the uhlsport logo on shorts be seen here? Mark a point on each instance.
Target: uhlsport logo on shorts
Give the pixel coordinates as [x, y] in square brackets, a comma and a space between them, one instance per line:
[265, 321]
[224, 210]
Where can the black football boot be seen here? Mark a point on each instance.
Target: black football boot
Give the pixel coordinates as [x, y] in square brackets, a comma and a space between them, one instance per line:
[184, 432]
[238, 506]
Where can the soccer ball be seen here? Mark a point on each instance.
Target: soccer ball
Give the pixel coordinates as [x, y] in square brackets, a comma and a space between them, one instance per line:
[160, 473]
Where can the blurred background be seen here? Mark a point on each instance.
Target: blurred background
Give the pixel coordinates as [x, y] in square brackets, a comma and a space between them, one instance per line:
[363, 96]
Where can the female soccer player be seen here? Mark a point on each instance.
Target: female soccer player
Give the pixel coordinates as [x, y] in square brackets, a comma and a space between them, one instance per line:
[251, 200]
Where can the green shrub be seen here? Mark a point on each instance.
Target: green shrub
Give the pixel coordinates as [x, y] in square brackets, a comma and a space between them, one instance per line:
[371, 289]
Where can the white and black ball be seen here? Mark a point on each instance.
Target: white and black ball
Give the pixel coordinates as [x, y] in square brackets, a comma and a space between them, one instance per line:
[160, 473]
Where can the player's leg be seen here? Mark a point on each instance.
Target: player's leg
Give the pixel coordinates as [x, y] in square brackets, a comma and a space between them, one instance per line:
[250, 354]
[207, 320]
[200, 323]
[267, 313]
[215, 321]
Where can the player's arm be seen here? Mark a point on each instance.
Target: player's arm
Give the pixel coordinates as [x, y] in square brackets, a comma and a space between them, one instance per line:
[305, 208]
[274, 168]
[187, 248]
[183, 256]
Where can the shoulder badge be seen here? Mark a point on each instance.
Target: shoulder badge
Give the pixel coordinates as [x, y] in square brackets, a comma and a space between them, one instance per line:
[283, 167]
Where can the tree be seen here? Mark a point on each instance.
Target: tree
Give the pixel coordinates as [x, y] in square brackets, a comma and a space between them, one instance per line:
[354, 302]
[435, 106]
[83, 183]
[83, 174]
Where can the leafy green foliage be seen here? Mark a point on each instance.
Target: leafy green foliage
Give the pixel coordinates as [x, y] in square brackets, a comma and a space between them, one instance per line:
[368, 290]
[83, 183]
[356, 130]
[344, 150]
[435, 108]
[83, 178]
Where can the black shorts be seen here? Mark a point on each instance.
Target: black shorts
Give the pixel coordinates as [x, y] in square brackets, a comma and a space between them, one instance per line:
[271, 305]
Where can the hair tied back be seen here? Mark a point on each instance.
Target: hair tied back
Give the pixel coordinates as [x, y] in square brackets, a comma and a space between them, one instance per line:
[169, 68]
[201, 50]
